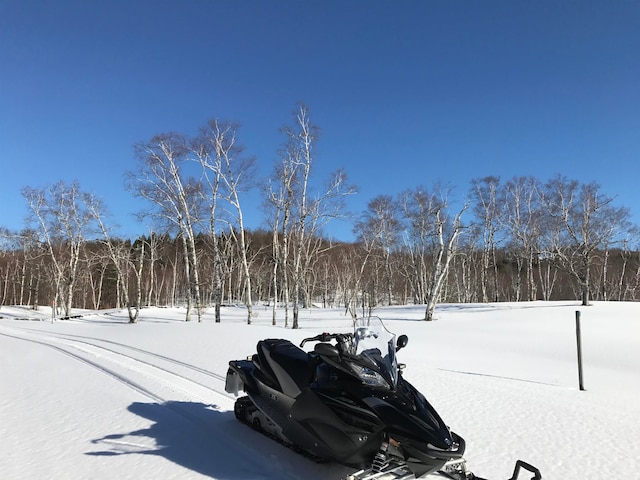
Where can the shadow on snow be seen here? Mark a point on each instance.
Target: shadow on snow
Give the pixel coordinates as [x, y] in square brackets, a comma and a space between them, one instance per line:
[198, 437]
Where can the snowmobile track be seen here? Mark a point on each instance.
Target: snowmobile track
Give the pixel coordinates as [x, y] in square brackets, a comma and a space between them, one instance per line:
[120, 378]
[158, 382]
[115, 345]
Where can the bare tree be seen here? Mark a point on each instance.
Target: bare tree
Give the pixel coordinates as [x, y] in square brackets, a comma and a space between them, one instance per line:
[119, 254]
[464, 266]
[95, 269]
[62, 222]
[349, 273]
[301, 139]
[417, 211]
[626, 256]
[277, 261]
[445, 251]
[311, 212]
[208, 148]
[432, 240]
[279, 193]
[154, 245]
[273, 207]
[380, 230]
[232, 174]
[161, 180]
[583, 220]
[484, 193]
[356, 262]
[522, 217]
[23, 254]
[7, 249]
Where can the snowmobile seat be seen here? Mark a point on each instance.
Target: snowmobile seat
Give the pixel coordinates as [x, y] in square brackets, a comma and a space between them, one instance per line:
[290, 366]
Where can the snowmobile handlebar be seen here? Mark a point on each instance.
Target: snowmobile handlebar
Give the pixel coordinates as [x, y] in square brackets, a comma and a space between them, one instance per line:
[327, 337]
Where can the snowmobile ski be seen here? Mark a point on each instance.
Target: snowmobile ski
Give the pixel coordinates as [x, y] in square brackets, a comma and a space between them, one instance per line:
[454, 470]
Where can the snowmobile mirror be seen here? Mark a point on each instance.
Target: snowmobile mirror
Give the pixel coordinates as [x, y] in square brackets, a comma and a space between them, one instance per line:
[402, 342]
[326, 349]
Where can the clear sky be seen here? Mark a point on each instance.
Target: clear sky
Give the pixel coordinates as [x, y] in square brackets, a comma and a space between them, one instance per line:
[406, 93]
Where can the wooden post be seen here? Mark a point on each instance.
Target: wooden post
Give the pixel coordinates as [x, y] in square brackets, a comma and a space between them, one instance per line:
[579, 342]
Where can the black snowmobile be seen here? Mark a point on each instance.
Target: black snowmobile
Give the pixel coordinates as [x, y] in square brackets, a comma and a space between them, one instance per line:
[347, 402]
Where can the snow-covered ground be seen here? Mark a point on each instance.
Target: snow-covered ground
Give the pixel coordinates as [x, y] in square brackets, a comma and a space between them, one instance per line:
[97, 398]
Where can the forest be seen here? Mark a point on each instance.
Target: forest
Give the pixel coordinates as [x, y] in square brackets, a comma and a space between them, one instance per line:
[519, 239]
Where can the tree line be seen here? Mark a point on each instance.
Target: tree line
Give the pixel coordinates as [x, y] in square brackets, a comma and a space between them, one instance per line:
[516, 240]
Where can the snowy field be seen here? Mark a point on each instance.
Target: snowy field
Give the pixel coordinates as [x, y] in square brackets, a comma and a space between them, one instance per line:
[97, 398]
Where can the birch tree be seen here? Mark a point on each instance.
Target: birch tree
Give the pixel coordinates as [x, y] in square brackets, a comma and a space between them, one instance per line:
[280, 192]
[432, 240]
[446, 249]
[522, 217]
[162, 181]
[208, 148]
[119, 254]
[311, 212]
[62, 222]
[8, 251]
[486, 208]
[583, 220]
[380, 229]
[233, 173]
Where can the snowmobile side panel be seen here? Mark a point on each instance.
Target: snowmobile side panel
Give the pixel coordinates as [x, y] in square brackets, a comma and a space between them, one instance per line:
[345, 443]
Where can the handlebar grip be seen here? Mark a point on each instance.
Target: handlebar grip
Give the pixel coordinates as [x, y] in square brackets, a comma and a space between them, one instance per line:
[322, 337]
[310, 339]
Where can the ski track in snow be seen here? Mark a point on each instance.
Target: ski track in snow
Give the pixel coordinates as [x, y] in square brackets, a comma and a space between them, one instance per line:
[149, 369]
[172, 383]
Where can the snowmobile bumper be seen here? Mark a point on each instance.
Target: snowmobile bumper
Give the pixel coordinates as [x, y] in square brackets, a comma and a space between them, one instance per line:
[239, 377]
[233, 383]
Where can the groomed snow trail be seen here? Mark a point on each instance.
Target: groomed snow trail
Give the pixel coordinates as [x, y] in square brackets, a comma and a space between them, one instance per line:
[175, 394]
[159, 377]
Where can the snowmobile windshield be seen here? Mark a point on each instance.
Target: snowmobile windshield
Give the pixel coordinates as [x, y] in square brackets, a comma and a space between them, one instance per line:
[375, 347]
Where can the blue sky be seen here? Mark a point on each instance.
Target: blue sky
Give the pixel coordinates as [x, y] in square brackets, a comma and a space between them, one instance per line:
[406, 93]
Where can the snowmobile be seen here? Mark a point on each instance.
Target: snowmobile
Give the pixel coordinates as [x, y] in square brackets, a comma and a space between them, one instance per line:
[348, 402]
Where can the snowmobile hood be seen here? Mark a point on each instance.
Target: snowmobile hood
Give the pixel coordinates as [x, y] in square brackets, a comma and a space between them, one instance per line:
[412, 418]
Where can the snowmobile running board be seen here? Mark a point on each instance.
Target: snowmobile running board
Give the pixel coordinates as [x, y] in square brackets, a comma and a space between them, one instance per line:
[455, 470]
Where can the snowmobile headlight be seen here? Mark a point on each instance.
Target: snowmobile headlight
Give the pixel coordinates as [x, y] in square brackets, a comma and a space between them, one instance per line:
[369, 376]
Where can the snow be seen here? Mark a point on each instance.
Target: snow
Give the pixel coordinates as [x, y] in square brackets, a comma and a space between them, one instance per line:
[95, 397]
